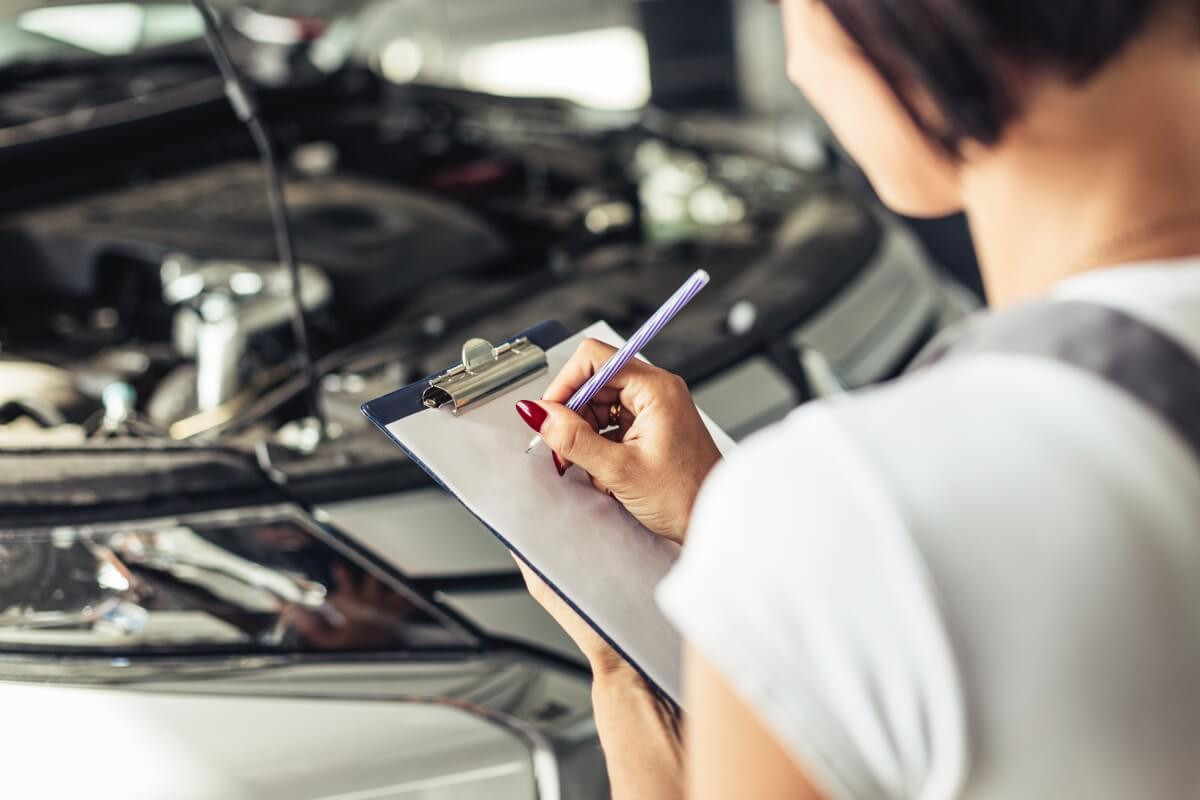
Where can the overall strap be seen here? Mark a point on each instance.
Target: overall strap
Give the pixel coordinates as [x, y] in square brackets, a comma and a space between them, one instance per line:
[1145, 362]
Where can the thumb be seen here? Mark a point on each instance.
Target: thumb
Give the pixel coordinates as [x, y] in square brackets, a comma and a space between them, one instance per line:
[576, 441]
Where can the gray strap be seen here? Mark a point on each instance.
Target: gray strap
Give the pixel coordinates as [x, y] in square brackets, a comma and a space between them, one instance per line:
[1147, 363]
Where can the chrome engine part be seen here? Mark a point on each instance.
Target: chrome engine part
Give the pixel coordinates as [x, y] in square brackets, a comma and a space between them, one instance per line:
[221, 305]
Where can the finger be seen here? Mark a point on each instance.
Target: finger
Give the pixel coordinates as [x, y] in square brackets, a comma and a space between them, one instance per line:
[634, 385]
[533, 582]
[575, 440]
[599, 486]
[602, 413]
[594, 417]
[615, 435]
[607, 396]
[521, 567]
[582, 365]
[526, 573]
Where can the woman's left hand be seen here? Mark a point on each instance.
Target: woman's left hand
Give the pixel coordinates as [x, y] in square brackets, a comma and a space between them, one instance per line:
[639, 732]
[603, 659]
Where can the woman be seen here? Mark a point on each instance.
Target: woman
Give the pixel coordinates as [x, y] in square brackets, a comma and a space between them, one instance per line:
[984, 579]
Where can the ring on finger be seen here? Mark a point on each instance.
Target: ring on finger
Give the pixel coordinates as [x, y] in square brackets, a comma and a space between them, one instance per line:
[614, 415]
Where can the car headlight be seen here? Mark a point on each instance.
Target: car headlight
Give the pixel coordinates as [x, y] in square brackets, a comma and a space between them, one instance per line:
[258, 579]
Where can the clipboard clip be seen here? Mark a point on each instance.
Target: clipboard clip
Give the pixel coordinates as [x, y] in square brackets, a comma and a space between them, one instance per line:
[485, 370]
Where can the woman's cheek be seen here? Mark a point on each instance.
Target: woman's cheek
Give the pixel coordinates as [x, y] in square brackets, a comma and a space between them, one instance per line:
[911, 176]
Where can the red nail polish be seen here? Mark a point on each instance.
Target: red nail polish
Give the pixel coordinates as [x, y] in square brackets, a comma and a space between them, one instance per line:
[533, 414]
[559, 465]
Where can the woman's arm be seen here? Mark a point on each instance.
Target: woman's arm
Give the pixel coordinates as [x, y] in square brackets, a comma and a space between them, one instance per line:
[643, 750]
[639, 733]
[653, 465]
[729, 752]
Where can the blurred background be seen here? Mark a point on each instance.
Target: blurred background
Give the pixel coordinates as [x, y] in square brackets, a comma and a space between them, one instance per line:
[217, 580]
[595, 52]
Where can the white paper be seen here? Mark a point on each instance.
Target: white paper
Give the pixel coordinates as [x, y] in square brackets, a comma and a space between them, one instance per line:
[592, 551]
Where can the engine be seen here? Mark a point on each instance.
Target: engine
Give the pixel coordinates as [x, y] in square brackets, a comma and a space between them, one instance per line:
[142, 304]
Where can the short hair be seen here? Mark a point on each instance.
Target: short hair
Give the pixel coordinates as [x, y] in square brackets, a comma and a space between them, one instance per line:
[945, 60]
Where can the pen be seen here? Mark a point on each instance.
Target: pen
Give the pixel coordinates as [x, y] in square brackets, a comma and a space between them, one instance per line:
[675, 303]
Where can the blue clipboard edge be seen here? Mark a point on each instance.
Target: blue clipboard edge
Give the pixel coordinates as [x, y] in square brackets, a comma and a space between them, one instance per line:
[405, 402]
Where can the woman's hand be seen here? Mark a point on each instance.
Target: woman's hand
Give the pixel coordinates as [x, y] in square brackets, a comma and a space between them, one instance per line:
[655, 459]
[603, 659]
[640, 734]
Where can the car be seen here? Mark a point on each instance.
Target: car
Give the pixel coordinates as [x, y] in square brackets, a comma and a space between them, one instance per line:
[217, 580]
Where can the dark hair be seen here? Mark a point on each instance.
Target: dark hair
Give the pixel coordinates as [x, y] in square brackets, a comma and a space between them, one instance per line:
[951, 54]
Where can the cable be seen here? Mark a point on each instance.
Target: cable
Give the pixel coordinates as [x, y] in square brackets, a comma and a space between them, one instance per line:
[245, 106]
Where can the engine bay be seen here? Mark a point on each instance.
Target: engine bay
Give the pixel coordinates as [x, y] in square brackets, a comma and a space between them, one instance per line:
[142, 311]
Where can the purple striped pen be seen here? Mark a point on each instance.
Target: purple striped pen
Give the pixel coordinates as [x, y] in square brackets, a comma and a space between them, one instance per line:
[634, 345]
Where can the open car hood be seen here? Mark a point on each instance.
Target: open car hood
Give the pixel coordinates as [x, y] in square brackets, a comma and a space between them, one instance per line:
[311, 8]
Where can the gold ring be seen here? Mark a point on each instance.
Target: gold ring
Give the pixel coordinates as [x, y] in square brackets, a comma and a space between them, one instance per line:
[614, 415]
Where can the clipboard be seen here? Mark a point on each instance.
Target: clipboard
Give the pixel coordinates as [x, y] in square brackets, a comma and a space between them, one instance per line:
[459, 425]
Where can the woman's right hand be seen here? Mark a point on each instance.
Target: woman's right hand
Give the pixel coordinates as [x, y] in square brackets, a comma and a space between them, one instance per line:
[657, 457]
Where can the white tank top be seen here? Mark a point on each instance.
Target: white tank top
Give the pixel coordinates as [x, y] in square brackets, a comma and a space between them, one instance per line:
[980, 581]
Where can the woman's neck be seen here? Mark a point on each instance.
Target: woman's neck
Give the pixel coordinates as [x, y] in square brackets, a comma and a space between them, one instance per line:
[1095, 176]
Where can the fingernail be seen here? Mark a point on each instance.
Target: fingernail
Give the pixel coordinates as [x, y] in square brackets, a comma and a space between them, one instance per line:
[533, 414]
[559, 465]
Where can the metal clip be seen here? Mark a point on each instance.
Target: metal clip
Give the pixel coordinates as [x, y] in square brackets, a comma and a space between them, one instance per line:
[484, 371]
